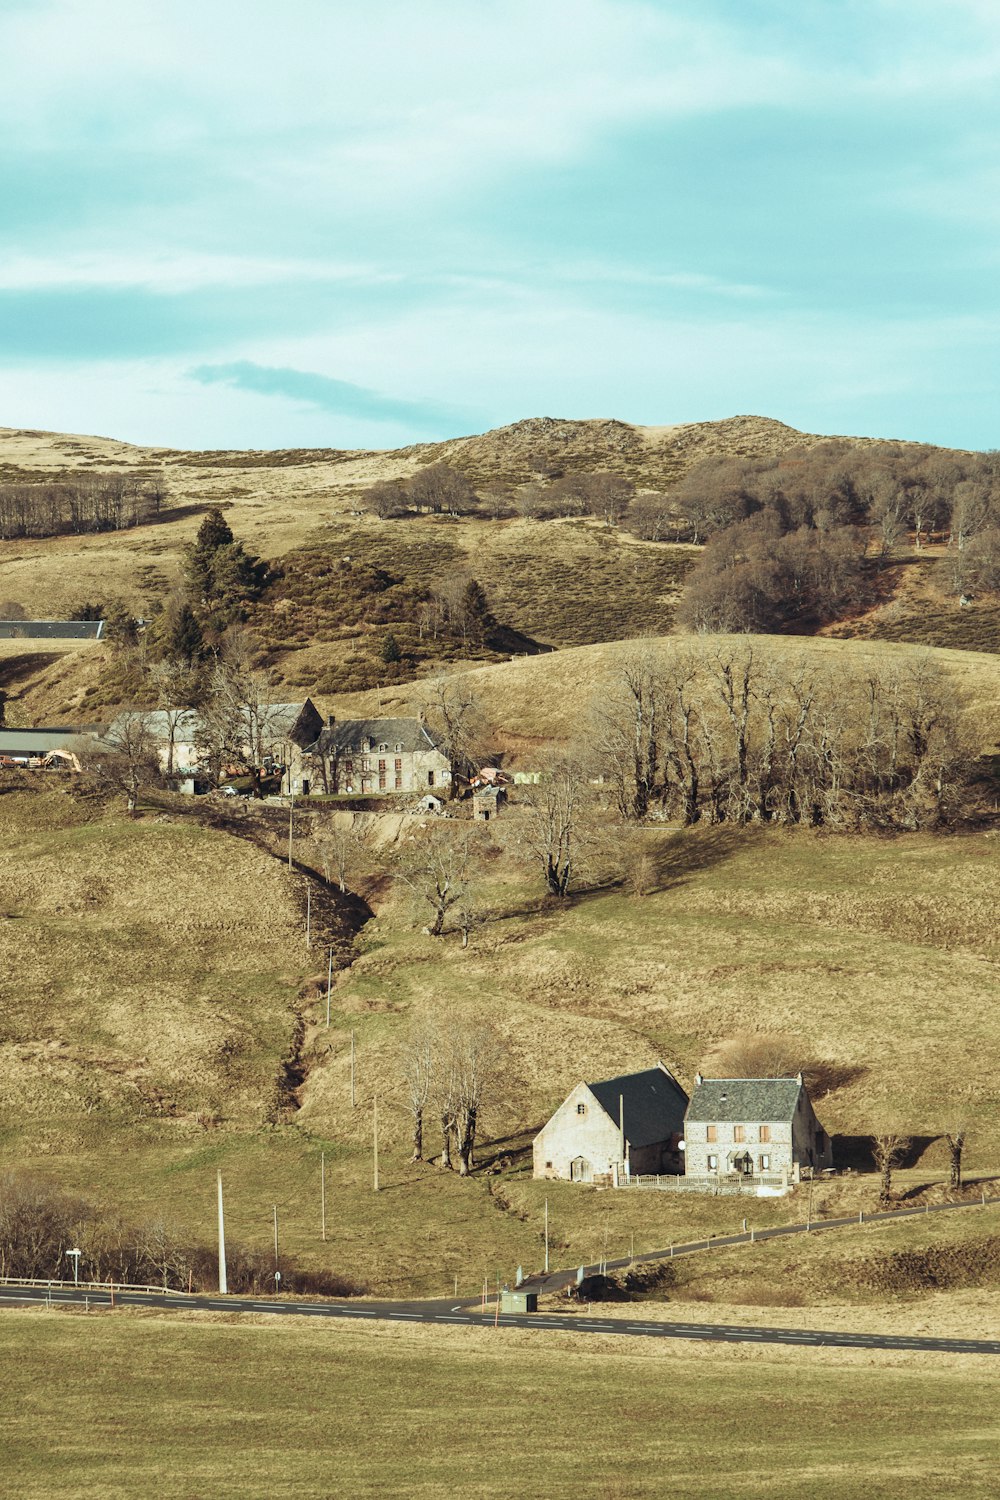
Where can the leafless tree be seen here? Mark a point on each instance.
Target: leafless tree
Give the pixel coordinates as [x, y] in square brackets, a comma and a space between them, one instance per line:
[342, 846]
[479, 1060]
[438, 872]
[421, 1070]
[630, 720]
[385, 498]
[126, 759]
[554, 823]
[238, 725]
[455, 716]
[888, 1148]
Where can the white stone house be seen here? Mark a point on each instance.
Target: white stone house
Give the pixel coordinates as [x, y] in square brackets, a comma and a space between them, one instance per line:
[372, 757]
[277, 736]
[630, 1124]
[753, 1127]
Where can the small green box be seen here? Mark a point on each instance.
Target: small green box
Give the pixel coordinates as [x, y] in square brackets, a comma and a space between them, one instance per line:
[518, 1302]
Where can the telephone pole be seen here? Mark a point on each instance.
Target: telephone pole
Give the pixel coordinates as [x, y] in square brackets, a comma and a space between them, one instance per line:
[223, 1287]
[322, 1194]
[375, 1141]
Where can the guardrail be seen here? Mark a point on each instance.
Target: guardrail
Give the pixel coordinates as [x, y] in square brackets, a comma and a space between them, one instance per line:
[51, 1284]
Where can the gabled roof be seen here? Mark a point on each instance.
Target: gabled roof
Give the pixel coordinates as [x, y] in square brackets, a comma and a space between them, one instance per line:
[653, 1101]
[277, 720]
[61, 630]
[744, 1099]
[347, 736]
[37, 741]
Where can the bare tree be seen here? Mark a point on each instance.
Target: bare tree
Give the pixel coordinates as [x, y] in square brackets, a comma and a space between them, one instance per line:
[438, 872]
[479, 1059]
[630, 720]
[455, 717]
[888, 1148]
[421, 1066]
[342, 846]
[126, 759]
[239, 727]
[553, 823]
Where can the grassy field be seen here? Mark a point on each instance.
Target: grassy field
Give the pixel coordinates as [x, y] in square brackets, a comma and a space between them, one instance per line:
[132, 1079]
[115, 1405]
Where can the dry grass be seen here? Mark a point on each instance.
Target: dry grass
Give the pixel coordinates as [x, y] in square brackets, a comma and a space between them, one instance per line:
[117, 1405]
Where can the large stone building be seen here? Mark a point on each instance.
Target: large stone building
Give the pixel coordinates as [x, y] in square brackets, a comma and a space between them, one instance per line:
[276, 735]
[369, 757]
[630, 1124]
[747, 1127]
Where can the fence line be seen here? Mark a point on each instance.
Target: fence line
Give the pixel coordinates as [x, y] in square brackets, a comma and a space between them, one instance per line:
[91, 1286]
[717, 1186]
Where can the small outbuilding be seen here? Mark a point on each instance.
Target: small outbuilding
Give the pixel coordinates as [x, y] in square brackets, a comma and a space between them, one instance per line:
[611, 1129]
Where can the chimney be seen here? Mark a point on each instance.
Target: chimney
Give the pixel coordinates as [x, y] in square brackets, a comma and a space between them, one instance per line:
[698, 1080]
[331, 719]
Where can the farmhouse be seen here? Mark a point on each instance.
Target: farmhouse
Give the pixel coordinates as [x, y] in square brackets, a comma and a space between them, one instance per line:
[748, 1127]
[272, 735]
[372, 756]
[610, 1129]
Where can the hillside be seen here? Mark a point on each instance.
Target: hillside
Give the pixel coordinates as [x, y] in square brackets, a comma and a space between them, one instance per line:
[132, 1083]
[550, 583]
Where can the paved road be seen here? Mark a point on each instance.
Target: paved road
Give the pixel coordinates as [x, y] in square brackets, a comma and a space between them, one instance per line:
[450, 1314]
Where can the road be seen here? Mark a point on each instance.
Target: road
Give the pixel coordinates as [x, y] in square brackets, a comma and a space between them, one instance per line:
[450, 1314]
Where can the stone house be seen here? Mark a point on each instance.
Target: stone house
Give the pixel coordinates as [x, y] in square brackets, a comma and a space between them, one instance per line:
[630, 1124]
[749, 1127]
[372, 757]
[277, 734]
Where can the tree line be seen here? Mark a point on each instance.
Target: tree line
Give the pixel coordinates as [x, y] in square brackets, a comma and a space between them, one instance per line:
[441, 489]
[86, 503]
[731, 734]
[39, 1223]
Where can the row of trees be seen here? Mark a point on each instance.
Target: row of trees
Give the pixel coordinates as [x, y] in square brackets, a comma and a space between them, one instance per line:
[441, 489]
[88, 502]
[451, 1072]
[39, 1223]
[731, 734]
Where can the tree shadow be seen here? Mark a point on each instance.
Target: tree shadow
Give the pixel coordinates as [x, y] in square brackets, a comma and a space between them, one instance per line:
[682, 855]
[857, 1151]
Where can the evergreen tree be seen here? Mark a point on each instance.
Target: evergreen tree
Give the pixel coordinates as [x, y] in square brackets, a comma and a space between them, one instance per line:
[183, 640]
[213, 534]
[390, 650]
[476, 612]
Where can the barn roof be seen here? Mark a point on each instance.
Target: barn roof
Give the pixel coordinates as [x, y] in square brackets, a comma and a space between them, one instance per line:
[61, 630]
[653, 1102]
[346, 736]
[744, 1099]
[37, 741]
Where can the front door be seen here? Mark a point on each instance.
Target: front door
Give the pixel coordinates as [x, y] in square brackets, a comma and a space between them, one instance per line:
[579, 1170]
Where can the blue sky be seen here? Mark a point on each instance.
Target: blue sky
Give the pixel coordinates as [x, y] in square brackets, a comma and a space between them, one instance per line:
[236, 224]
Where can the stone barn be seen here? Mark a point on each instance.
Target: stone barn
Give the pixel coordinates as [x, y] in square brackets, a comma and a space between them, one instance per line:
[630, 1124]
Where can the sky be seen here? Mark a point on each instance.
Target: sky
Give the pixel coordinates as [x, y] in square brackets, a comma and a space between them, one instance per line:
[329, 223]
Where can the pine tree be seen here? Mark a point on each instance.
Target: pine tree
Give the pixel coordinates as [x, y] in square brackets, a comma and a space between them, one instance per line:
[390, 650]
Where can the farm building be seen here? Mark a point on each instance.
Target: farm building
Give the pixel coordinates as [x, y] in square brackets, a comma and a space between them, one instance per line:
[43, 749]
[275, 735]
[51, 630]
[630, 1124]
[367, 757]
[747, 1127]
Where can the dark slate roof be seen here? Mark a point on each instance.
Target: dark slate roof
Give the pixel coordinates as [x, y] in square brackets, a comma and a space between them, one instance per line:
[654, 1104]
[744, 1099]
[61, 630]
[36, 741]
[346, 736]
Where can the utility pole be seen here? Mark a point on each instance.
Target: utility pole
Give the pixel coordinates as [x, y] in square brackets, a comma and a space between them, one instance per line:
[322, 1193]
[223, 1287]
[375, 1141]
[329, 981]
[291, 815]
[546, 1235]
[352, 1071]
[309, 904]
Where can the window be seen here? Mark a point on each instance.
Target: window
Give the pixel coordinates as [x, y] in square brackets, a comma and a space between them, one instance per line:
[383, 747]
[765, 1162]
[366, 745]
[581, 1109]
[548, 1166]
[765, 1132]
[398, 749]
[711, 1133]
[739, 1134]
[713, 1163]
[398, 764]
[348, 765]
[430, 778]
[365, 764]
[381, 781]
[381, 765]
[399, 782]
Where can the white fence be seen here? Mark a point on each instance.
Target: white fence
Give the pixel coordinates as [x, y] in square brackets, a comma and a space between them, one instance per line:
[731, 1186]
[89, 1286]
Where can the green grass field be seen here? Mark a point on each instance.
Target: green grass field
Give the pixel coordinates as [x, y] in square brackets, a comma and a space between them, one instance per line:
[113, 1405]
